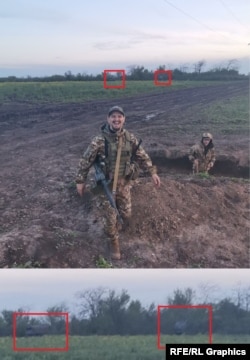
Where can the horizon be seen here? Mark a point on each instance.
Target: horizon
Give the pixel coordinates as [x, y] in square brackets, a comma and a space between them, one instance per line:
[186, 69]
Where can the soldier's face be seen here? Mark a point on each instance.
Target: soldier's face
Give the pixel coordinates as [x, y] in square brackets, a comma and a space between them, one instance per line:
[116, 121]
[206, 141]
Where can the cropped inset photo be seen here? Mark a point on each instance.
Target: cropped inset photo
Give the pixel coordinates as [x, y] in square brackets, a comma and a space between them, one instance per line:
[120, 314]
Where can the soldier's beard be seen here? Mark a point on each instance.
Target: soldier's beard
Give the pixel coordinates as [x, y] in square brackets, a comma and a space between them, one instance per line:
[115, 130]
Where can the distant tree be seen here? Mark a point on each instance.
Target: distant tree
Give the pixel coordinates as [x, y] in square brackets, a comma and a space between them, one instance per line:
[68, 75]
[184, 68]
[225, 317]
[79, 77]
[57, 323]
[241, 297]
[7, 317]
[113, 313]
[232, 64]
[182, 297]
[161, 67]
[134, 315]
[118, 75]
[199, 65]
[91, 302]
[208, 291]
[137, 72]
[131, 69]
[77, 326]
[2, 326]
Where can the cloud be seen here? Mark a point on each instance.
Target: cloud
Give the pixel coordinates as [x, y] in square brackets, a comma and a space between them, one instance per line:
[145, 35]
[159, 40]
[115, 45]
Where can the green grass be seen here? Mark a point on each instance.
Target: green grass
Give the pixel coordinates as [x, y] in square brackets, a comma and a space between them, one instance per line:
[224, 117]
[73, 91]
[29, 264]
[233, 112]
[105, 347]
[103, 263]
[203, 175]
[204, 339]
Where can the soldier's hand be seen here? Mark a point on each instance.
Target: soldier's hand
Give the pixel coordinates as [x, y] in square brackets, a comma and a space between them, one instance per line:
[210, 165]
[80, 189]
[156, 180]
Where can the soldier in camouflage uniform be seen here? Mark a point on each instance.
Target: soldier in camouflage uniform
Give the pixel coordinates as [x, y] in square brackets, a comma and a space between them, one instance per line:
[104, 148]
[202, 155]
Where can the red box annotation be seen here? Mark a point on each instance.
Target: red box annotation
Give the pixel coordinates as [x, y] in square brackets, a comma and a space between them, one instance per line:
[64, 314]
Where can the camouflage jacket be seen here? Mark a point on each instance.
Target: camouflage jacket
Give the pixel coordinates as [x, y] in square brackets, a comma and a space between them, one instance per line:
[97, 149]
[197, 151]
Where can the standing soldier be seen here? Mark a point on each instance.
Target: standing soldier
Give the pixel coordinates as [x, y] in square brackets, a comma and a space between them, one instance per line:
[202, 155]
[120, 156]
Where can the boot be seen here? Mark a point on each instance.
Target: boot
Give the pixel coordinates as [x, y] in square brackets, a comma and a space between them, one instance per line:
[115, 249]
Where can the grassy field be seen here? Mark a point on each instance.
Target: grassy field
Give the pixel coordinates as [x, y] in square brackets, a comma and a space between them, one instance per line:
[233, 112]
[73, 91]
[228, 116]
[105, 347]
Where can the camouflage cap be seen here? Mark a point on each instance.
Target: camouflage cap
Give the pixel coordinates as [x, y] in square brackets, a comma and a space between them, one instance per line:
[116, 108]
[207, 135]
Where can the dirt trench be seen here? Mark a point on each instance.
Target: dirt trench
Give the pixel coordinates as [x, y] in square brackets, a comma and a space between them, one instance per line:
[230, 167]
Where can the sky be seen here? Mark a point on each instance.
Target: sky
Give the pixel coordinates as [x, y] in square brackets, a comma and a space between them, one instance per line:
[38, 289]
[44, 37]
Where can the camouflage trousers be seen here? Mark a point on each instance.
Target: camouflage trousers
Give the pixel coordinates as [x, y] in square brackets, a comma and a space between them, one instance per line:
[123, 203]
[200, 167]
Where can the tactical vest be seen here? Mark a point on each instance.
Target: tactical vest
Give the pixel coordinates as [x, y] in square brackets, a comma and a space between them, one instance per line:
[111, 145]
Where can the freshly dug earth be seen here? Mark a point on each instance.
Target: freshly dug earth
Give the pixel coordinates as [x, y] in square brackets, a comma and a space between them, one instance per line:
[190, 221]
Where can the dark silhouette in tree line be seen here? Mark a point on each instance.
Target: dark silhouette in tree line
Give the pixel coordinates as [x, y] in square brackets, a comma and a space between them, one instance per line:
[37, 330]
[180, 327]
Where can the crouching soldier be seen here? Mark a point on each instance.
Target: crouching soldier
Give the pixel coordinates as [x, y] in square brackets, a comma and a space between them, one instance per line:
[202, 155]
[119, 155]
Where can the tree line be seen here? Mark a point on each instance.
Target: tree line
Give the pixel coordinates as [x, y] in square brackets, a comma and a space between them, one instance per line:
[228, 71]
[105, 312]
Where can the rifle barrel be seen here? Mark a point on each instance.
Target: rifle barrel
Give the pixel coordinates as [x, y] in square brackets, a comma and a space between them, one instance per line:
[101, 177]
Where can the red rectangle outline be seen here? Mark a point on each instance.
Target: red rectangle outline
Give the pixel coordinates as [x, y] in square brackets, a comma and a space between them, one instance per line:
[161, 83]
[210, 312]
[113, 86]
[15, 314]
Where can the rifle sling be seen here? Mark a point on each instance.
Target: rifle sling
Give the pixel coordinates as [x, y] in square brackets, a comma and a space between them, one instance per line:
[117, 164]
[134, 152]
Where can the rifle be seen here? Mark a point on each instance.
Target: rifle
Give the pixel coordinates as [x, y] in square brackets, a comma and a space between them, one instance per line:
[100, 177]
[132, 159]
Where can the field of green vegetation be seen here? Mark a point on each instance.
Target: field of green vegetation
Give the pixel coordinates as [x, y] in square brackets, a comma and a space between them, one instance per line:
[227, 116]
[233, 112]
[73, 91]
[106, 347]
